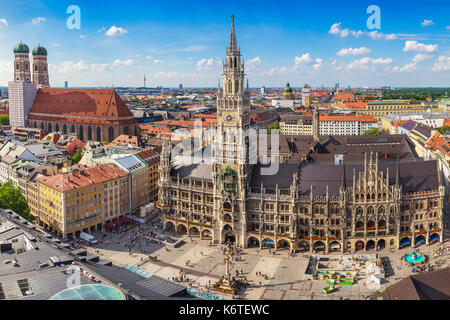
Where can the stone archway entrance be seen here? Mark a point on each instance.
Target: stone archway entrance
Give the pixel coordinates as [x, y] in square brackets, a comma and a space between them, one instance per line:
[169, 226]
[229, 237]
[319, 246]
[381, 244]
[268, 243]
[181, 228]
[253, 242]
[206, 234]
[303, 246]
[194, 232]
[434, 238]
[283, 245]
[359, 245]
[335, 246]
[420, 240]
[370, 245]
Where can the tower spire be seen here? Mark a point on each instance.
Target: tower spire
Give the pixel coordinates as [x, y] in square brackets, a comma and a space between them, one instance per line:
[343, 181]
[397, 175]
[233, 42]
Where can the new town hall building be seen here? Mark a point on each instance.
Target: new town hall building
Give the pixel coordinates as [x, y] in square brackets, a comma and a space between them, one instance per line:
[368, 202]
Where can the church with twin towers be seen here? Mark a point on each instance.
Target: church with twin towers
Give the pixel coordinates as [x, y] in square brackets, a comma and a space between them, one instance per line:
[307, 205]
[27, 79]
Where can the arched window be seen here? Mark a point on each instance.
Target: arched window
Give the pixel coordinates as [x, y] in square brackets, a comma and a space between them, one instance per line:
[125, 130]
[230, 87]
[72, 129]
[64, 128]
[57, 127]
[236, 86]
[42, 125]
[381, 210]
[370, 210]
[35, 125]
[99, 135]
[81, 133]
[110, 134]
[49, 127]
[89, 133]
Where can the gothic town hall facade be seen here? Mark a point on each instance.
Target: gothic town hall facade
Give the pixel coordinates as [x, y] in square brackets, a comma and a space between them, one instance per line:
[305, 206]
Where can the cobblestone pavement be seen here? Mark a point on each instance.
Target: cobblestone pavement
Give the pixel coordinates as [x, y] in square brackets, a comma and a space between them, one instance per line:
[285, 274]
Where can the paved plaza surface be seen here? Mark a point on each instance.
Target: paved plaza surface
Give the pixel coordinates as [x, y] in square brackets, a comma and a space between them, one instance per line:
[284, 279]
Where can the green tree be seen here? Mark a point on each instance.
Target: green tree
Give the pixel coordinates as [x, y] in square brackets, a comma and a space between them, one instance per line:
[374, 131]
[273, 126]
[444, 129]
[12, 198]
[76, 157]
[4, 120]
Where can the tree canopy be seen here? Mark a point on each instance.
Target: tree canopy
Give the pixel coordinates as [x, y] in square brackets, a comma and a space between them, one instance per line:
[4, 119]
[76, 157]
[374, 131]
[444, 129]
[12, 198]
[274, 126]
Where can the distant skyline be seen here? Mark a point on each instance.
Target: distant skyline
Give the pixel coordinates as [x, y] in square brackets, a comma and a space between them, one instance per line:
[319, 43]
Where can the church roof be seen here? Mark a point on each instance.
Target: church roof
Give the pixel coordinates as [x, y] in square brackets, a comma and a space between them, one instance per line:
[414, 176]
[93, 105]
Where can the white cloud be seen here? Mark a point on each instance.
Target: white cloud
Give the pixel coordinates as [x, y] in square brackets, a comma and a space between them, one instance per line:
[442, 64]
[74, 67]
[427, 23]
[353, 51]
[343, 33]
[156, 61]
[103, 29]
[381, 36]
[420, 47]
[304, 59]
[38, 20]
[410, 67]
[82, 36]
[253, 64]
[4, 22]
[318, 64]
[118, 63]
[205, 64]
[421, 57]
[365, 62]
[114, 31]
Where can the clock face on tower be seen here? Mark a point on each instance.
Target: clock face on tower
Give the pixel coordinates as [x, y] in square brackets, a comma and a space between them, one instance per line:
[228, 118]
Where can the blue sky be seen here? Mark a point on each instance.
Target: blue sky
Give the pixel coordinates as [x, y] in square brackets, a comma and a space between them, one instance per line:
[315, 42]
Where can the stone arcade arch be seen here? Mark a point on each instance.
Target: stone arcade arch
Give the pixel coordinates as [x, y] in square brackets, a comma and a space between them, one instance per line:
[319, 246]
[268, 243]
[335, 246]
[359, 245]
[194, 232]
[99, 134]
[303, 246]
[419, 240]
[170, 226]
[253, 242]
[206, 234]
[283, 244]
[181, 228]
[370, 245]
[381, 244]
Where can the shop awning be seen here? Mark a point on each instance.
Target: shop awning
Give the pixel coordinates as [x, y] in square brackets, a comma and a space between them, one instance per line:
[420, 240]
[268, 242]
[405, 241]
[117, 222]
[335, 246]
[434, 237]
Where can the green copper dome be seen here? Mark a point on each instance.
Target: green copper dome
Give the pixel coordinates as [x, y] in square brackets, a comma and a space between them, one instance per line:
[288, 88]
[39, 51]
[21, 48]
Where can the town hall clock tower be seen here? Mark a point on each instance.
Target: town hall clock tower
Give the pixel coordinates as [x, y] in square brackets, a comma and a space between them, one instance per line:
[230, 150]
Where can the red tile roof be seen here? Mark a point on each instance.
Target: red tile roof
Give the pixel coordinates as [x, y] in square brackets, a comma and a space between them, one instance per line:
[83, 177]
[94, 105]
